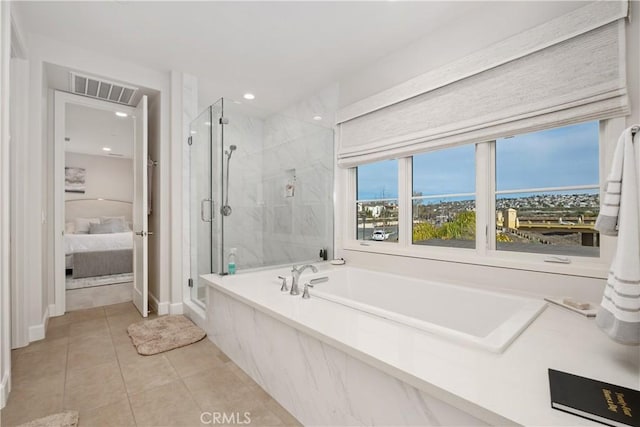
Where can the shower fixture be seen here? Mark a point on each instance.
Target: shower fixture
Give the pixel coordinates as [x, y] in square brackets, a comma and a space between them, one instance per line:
[226, 209]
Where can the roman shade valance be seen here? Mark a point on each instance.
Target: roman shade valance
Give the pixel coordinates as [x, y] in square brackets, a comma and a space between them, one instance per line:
[568, 70]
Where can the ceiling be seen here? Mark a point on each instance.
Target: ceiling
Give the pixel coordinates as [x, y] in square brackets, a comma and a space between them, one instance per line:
[280, 51]
[91, 129]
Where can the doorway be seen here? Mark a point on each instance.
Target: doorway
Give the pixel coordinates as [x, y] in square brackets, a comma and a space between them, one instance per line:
[101, 203]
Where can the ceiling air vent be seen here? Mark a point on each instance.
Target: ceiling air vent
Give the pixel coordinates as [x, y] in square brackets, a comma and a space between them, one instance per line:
[102, 89]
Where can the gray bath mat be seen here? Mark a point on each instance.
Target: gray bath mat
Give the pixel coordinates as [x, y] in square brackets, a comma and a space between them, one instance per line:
[164, 334]
[62, 419]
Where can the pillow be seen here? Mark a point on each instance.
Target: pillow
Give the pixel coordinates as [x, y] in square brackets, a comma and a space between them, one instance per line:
[118, 224]
[103, 219]
[108, 228]
[82, 224]
[69, 227]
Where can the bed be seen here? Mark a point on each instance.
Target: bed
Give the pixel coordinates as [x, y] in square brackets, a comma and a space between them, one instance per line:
[98, 240]
[88, 255]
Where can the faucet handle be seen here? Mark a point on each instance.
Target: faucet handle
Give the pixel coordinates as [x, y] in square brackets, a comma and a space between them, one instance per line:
[284, 287]
[305, 292]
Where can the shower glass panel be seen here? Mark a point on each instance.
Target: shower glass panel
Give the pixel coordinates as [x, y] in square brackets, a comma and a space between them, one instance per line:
[270, 178]
[204, 160]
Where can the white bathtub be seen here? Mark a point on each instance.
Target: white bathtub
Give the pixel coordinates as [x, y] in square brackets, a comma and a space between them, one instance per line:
[481, 318]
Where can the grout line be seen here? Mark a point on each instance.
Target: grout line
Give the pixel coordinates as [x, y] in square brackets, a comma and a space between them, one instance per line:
[193, 399]
[133, 414]
[66, 367]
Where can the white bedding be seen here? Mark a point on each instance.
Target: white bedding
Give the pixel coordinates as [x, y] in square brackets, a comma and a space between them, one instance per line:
[97, 242]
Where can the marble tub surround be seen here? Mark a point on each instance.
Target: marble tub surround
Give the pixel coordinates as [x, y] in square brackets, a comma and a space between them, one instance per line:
[271, 336]
[316, 382]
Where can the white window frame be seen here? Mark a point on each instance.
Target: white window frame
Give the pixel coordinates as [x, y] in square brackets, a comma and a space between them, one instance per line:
[485, 252]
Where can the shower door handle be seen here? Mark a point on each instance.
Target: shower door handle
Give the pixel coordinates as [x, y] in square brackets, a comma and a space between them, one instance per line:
[203, 202]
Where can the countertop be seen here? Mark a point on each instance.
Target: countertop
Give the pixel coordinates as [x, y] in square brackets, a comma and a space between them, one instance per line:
[507, 388]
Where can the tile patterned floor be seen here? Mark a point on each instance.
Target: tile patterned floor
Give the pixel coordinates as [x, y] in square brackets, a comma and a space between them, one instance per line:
[87, 363]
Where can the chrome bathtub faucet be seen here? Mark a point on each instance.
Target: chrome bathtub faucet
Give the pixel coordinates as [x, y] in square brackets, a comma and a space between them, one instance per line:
[284, 287]
[305, 291]
[295, 277]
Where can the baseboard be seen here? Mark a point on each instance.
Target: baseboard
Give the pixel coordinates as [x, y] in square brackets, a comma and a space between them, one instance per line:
[5, 388]
[55, 311]
[37, 332]
[161, 308]
[176, 308]
[196, 314]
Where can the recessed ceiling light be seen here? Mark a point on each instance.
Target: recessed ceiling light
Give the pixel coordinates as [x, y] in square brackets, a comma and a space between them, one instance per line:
[207, 123]
[249, 96]
[193, 132]
[106, 148]
[317, 118]
[121, 114]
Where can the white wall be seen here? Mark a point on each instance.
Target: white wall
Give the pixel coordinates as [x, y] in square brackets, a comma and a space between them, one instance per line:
[105, 177]
[5, 325]
[184, 109]
[493, 22]
[38, 171]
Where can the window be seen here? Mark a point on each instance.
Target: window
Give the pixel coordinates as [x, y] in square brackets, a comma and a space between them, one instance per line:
[377, 201]
[536, 193]
[443, 198]
[547, 191]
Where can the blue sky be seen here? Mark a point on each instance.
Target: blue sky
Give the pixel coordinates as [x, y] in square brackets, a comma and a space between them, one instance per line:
[553, 158]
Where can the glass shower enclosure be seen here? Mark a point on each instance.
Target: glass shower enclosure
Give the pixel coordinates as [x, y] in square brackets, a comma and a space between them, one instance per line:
[261, 186]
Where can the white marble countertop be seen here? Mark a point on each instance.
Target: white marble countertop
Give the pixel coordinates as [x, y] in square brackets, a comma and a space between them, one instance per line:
[507, 388]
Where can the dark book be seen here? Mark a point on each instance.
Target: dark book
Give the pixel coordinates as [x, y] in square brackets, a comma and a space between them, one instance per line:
[595, 400]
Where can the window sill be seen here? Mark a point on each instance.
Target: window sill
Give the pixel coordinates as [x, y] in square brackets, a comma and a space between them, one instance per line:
[579, 266]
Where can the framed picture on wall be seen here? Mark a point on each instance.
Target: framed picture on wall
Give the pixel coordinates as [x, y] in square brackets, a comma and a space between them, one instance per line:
[74, 180]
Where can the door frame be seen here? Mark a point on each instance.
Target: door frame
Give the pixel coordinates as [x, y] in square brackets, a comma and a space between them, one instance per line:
[140, 218]
[61, 100]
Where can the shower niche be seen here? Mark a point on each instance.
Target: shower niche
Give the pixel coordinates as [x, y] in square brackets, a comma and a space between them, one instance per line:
[261, 184]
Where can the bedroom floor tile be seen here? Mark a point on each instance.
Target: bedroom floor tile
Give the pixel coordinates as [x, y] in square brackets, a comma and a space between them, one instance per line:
[87, 363]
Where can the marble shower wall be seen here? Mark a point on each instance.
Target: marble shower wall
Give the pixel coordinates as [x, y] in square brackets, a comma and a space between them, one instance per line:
[269, 224]
[243, 228]
[299, 152]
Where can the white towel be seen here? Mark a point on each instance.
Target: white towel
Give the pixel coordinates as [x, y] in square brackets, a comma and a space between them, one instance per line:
[619, 313]
[607, 222]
